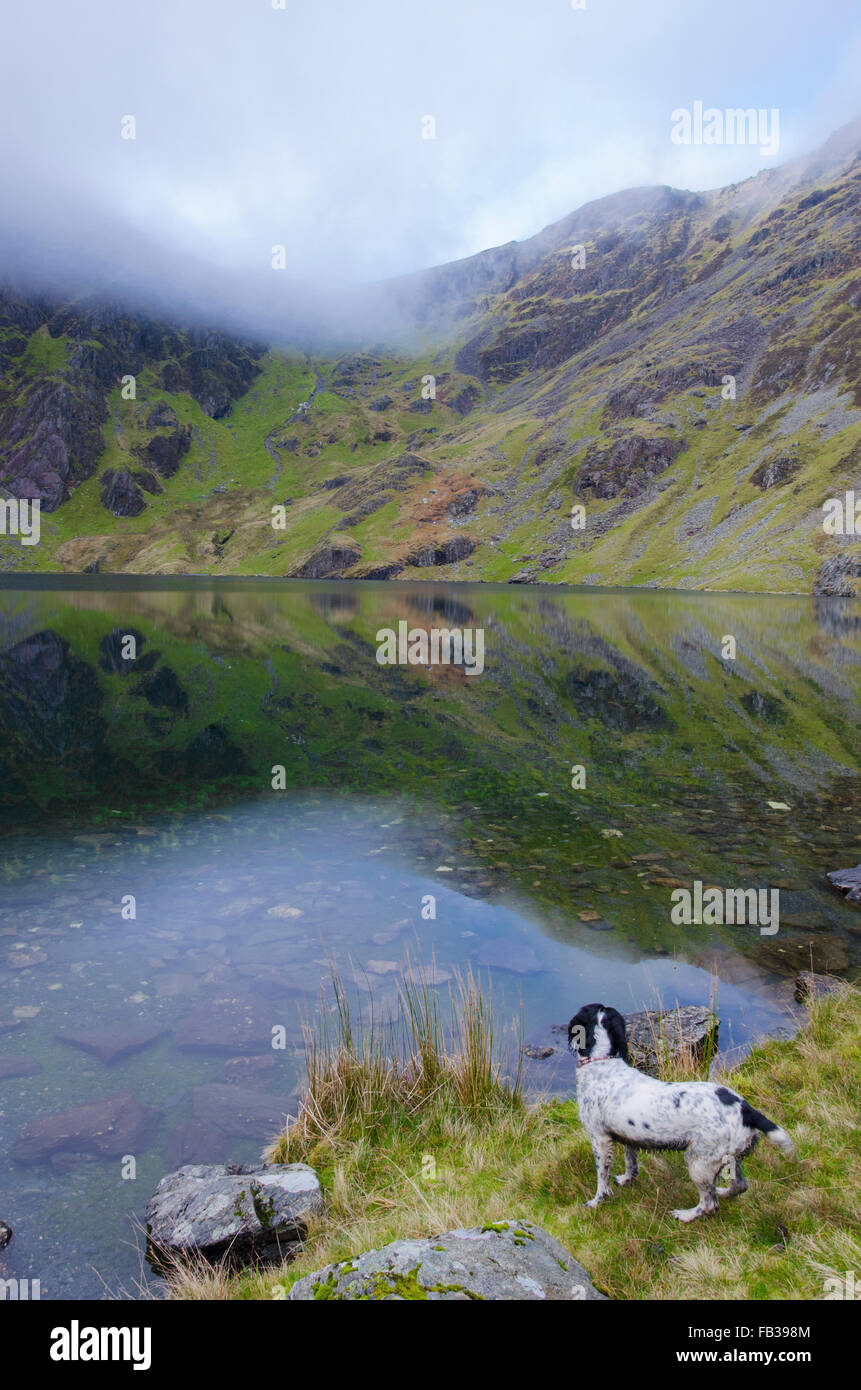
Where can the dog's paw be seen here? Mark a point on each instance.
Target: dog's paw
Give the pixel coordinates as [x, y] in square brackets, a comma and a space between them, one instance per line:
[596, 1201]
[692, 1213]
[623, 1179]
[686, 1213]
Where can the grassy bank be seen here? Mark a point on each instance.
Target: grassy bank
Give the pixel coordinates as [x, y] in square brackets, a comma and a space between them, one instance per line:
[441, 1139]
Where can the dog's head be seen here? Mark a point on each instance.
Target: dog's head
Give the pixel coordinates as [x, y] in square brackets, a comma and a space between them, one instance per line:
[597, 1031]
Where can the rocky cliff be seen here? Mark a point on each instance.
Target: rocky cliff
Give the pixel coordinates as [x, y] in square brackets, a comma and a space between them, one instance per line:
[685, 367]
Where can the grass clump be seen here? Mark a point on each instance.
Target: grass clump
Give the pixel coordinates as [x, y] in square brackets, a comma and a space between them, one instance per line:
[418, 1073]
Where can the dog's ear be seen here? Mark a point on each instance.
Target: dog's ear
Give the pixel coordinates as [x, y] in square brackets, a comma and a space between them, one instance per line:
[614, 1025]
[581, 1029]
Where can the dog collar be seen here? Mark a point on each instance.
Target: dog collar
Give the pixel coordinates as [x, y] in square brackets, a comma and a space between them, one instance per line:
[584, 1061]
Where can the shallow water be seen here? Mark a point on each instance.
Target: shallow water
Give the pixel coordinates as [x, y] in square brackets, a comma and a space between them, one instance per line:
[152, 780]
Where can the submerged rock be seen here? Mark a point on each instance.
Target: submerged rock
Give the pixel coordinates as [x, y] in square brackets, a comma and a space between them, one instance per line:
[244, 1212]
[18, 1066]
[110, 1044]
[195, 1142]
[514, 956]
[786, 956]
[239, 1112]
[229, 1023]
[505, 1260]
[117, 1124]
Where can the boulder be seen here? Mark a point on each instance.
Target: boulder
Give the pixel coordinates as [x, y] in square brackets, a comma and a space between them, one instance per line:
[505, 1260]
[691, 1028]
[164, 451]
[161, 688]
[243, 1212]
[117, 1124]
[809, 985]
[114, 644]
[849, 881]
[120, 493]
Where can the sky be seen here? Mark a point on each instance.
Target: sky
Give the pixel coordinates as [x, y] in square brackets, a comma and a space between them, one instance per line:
[302, 126]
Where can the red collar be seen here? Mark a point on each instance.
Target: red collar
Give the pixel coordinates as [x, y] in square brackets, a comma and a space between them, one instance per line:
[584, 1061]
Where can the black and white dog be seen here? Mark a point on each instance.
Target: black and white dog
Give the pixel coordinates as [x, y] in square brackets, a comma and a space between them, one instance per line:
[619, 1105]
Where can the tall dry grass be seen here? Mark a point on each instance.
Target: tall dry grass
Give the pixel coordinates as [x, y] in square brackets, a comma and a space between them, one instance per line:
[366, 1075]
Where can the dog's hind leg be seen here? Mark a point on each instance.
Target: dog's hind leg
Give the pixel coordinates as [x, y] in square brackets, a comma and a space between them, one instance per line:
[602, 1148]
[703, 1173]
[632, 1167]
[737, 1184]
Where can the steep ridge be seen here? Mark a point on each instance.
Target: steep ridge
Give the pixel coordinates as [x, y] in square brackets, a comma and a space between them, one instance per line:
[686, 367]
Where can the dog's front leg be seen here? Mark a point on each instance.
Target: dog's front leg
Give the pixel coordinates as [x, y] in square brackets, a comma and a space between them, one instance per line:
[602, 1148]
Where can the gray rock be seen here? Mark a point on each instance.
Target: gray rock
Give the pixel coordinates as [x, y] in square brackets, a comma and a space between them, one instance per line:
[849, 880]
[809, 985]
[653, 1033]
[120, 493]
[506, 1260]
[244, 1212]
[839, 575]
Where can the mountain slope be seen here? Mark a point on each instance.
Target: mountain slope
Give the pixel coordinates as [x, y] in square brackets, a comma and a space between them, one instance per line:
[595, 364]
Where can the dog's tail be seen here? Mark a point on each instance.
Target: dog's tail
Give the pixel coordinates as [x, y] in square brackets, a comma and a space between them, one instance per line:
[754, 1119]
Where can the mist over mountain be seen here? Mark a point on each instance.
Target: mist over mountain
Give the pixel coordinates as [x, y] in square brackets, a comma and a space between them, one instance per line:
[686, 367]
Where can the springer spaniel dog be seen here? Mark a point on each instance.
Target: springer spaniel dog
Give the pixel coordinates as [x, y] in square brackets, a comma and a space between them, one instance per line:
[619, 1105]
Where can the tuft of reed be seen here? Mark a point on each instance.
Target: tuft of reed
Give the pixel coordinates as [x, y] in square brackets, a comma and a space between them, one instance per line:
[365, 1076]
